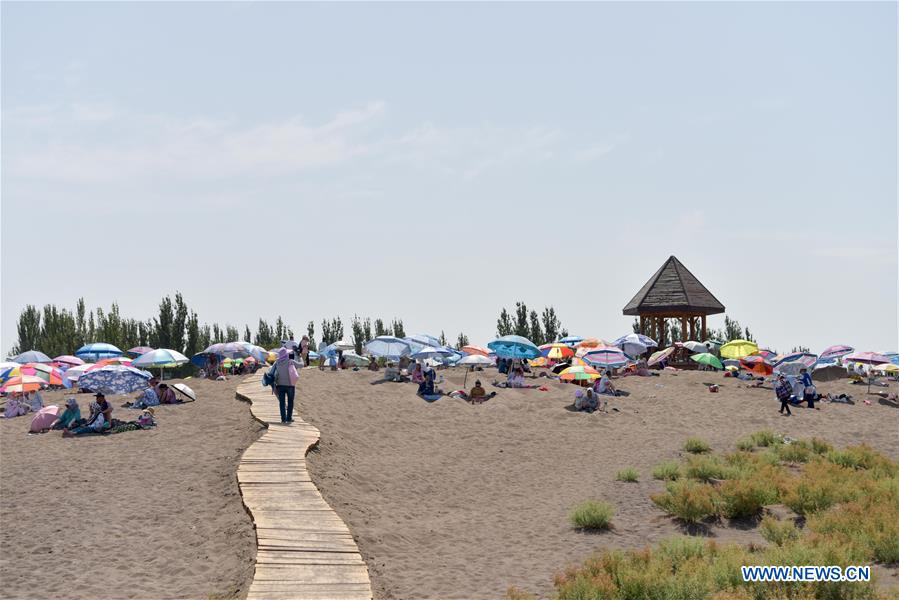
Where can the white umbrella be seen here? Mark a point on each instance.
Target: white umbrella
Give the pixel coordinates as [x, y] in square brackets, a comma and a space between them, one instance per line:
[185, 389]
[473, 360]
[355, 360]
[387, 346]
[343, 345]
[73, 373]
[696, 347]
[632, 344]
[160, 359]
[431, 352]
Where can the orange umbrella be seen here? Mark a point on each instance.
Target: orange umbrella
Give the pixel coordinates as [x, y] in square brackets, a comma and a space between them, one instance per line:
[475, 350]
[118, 360]
[23, 383]
[48, 373]
[579, 373]
[539, 362]
[556, 351]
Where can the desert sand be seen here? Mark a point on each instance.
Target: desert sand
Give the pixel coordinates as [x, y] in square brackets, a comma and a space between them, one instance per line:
[449, 500]
[143, 514]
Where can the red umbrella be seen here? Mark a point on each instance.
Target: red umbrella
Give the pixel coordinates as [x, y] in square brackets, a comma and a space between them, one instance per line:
[757, 364]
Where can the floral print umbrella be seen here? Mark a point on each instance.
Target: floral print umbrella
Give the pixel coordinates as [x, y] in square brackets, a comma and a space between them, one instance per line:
[115, 379]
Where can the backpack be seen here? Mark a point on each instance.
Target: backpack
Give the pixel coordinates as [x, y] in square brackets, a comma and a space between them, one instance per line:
[268, 378]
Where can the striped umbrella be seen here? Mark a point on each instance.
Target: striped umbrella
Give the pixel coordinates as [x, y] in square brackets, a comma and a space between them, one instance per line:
[123, 361]
[579, 374]
[805, 358]
[656, 357]
[51, 375]
[607, 358]
[832, 353]
[23, 383]
[472, 349]
[757, 364]
[556, 351]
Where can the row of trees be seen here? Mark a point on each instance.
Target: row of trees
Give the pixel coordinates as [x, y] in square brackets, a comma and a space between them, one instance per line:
[540, 328]
[57, 331]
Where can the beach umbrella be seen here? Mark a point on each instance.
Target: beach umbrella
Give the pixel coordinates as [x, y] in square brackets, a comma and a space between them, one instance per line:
[886, 368]
[160, 359]
[139, 350]
[228, 350]
[893, 356]
[756, 364]
[43, 418]
[571, 340]
[577, 361]
[97, 351]
[122, 361]
[768, 355]
[430, 352]
[472, 361]
[805, 358]
[472, 349]
[660, 355]
[32, 356]
[696, 347]
[713, 344]
[184, 389]
[631, 344]
[705, 358]
[51, 375]
[738, 349]
[579, 374]
[790, 368]
[868, 358]
[556, 351]
[257, 352]
[514, 347]
[636, 337]
[74, 373]
[23, 383]
[388, 346]
[831, 353]
[68, 361]
[115, 379]
[355, 360]
[343, 344]
[828, 372]
[9, 369]
[540, 361]
[607, 358]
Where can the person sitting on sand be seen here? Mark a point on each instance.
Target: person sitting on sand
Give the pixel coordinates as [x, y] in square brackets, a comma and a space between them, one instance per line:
[516, 378]
[34, 401]
[71, 414]
[478, 395]
[604, 385]
[417, 375]
[15, 406]
[586, 401]
[167, 394]
[148, 397]
[426, 387]
[100, 418]
[373, 364]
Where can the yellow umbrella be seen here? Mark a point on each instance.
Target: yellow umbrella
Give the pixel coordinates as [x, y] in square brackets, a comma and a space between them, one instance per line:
[539, 362]
[887, 368]
[738, 349]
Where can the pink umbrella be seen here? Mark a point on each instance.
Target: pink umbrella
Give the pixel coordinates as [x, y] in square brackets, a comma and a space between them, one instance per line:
[68, 360]
[871, 358]
[140, 350]
[44, 418]
[834, 352]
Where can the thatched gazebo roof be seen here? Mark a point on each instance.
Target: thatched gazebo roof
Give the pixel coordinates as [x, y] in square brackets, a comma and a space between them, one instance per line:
[673, 290]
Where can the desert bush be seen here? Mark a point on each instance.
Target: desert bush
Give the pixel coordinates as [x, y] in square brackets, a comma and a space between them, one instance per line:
[793, 453]
[592, 514]
[667, 471]
[746, 444]
[742, 498]
[630, 475]
[819, 446]
[695, 445]
[706, 468]
[778, 532]
[688, 500]
[765, 438]
[514, 593]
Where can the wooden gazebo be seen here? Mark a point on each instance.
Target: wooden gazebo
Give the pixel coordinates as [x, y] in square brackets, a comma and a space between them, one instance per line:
[673, 293]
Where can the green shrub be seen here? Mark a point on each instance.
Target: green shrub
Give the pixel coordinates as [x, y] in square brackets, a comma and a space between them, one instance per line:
[746, 444]
[778, 532]
[667, 471]
[630, 475]
[696, 446]
[592, 514]
[843, 458]
[819, 446]
[688, 500]
[741, 498]
[765, 438]
[706, 468]
[793, 453]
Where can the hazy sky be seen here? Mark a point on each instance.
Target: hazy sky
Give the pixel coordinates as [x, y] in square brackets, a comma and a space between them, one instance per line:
[436, 162]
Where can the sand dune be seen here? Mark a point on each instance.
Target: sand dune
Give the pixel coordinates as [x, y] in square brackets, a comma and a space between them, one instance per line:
[143, 514]
[449, 500]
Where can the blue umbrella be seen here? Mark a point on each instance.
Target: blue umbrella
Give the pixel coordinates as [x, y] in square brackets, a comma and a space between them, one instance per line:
[515, 347]
[115, 379]
[571, 340]
[387, 346]
[98, 351]
[431, 352]
[32, 356]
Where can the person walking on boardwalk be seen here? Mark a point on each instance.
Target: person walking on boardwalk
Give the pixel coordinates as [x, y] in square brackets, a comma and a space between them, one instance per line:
[285, 375]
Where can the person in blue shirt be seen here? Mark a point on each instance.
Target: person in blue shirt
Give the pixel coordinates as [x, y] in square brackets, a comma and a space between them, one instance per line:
[810, 394]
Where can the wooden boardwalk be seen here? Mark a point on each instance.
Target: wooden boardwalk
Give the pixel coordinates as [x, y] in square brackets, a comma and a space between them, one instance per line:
[304, 550]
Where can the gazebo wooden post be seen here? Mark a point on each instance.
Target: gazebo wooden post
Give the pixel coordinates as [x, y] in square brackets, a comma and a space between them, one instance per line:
[642, 324]
[683, 328]
[692, 328]
[704, 336]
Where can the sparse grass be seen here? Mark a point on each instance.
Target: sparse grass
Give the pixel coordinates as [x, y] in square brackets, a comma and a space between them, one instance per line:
[778, 532]
[630, 475]
[667, 471]
[696, 446]
[592, 514]
[849, 497]
[746, 444]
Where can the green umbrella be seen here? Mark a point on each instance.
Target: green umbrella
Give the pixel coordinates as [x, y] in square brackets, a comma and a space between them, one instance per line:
[707, 359]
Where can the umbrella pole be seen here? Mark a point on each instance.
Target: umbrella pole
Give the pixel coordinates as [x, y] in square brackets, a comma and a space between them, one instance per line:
[465, 382]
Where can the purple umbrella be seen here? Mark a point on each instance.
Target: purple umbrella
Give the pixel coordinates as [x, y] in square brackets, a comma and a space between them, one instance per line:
[610, 358]
[140, 350]
[805, 358]
[835, 352]
[871, 358]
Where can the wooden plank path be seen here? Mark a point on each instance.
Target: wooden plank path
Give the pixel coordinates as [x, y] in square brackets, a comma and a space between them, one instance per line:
[304, 550]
